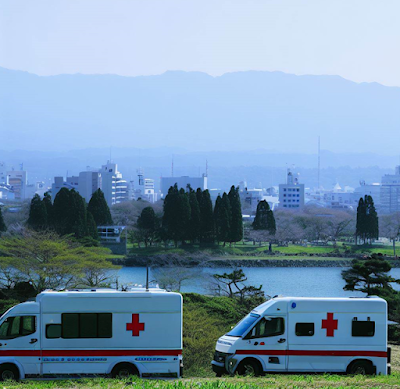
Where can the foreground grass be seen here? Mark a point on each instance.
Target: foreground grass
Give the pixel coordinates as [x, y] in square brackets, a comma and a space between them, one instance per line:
[268, 381]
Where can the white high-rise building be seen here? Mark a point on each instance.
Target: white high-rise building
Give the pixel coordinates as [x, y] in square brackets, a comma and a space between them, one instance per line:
[291, 194]
[115, 188]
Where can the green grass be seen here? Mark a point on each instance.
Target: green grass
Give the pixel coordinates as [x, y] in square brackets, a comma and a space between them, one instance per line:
[253, 251]
[269, 381]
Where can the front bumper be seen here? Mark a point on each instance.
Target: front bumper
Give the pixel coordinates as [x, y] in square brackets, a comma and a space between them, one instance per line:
[218, 368]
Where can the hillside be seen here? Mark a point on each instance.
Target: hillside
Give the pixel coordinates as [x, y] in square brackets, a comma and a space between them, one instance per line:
[244, 110]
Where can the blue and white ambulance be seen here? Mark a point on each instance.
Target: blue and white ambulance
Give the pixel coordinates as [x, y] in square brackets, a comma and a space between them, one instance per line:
[93, 332]
[291, 334]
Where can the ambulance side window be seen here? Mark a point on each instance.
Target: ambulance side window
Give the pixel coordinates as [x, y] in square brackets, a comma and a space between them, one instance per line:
[86, 325]
[267, 327]
[362, 328]
[16, 326]
[304, 329]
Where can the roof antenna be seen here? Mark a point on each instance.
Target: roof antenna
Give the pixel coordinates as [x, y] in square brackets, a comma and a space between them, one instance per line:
[147, 278]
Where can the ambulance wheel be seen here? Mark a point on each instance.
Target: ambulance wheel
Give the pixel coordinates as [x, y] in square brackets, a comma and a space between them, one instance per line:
[9, 372]
[249, 367]
[124, 370]
[360, 367]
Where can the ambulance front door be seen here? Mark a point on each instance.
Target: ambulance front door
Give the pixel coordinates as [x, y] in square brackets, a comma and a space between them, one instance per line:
[20, 340]
[267, 340]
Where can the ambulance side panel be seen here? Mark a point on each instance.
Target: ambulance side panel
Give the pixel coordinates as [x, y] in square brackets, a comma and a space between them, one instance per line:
[334, 353]
[146, 331]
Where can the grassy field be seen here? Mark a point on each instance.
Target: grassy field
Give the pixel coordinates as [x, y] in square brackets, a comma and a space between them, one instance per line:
[249, 250]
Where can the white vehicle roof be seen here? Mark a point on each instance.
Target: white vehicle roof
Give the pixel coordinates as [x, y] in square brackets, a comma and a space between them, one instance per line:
[320, 304]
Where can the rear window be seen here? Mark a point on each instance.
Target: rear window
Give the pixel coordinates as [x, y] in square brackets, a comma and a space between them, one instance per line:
[363, 328]
[304, 329]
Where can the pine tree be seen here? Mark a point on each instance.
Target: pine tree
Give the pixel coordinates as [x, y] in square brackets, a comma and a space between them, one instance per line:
[236, 228]
[366, 276]
[176, 214]
[361, 228]
[372, 220]
[148, 224]
[98, 207]
[78, 215]
[195, 217]
[37, 214]
[91, 226]
[224, 219]
[61, 211]
[207, 234]
[49, 208]
[216, 212]
[3, 227]
[264, 219]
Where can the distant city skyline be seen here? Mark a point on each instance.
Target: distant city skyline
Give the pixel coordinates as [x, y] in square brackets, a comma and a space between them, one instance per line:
[356, 40]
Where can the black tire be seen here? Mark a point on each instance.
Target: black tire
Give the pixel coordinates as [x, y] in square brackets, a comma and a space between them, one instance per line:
[9, 372]
[361, 367]
[249, 367]
[124, 370]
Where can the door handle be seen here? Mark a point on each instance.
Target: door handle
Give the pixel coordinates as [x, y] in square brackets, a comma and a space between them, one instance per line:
[281, 340]
[33, 341]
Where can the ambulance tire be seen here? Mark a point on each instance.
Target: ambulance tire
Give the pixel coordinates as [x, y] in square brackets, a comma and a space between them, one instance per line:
[9, 372]
[124, 370]
[249, 366]
[362, 367]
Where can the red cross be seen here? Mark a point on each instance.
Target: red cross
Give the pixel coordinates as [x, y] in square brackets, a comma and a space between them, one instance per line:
[330, 324]
[135, 326]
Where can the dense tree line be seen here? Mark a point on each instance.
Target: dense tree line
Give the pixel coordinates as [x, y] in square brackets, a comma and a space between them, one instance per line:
[3, 227]
[189, 216]
[69, 214]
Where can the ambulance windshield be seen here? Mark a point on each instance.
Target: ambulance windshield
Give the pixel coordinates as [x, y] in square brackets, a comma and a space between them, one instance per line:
[243, 325]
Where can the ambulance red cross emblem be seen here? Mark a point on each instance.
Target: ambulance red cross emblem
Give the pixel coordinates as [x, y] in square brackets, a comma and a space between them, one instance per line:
[330, 324]
[135, 326]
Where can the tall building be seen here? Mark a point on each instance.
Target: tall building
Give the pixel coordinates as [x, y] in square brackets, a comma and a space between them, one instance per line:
[3, 174]
[390, 192]
[115, 188]
[183, 182]
[88, 183]
[18, 179]
[291, 194]
[145, 188]
[69, 183]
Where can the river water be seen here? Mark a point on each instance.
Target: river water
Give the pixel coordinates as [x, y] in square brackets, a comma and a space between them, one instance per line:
[286, 281]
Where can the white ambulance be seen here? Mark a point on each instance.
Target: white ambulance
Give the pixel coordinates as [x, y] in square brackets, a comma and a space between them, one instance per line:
[93, 333]
[291, 334]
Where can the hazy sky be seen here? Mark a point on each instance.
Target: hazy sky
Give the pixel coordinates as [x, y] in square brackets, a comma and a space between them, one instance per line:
[357, 39]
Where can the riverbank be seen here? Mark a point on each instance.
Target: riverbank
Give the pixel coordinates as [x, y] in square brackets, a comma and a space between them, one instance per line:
[237, 261]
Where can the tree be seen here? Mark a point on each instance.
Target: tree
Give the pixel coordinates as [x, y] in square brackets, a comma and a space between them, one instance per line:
[207, 234]
[48, 261]
[37, 214]
[49, 208]
[264, 219]
[367, 226]
[390, 227]
[366, 276]
[176, 214]
[195, 217]
[3, 227]
[70, 214]
[148, 225]
[223, 218]
[236, 227]
[232, 285]
[91, 226]
[98, 207]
